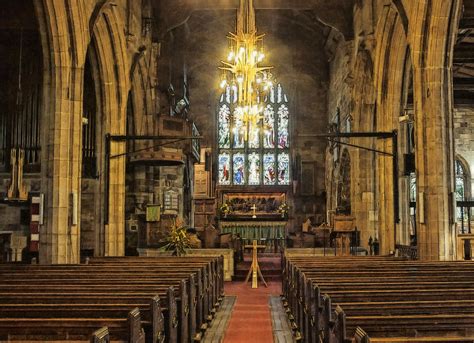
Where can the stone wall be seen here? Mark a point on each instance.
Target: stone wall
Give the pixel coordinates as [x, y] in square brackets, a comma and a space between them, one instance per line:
[295, 46]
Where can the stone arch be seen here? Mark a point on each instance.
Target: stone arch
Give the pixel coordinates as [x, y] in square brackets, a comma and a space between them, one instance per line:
[433, 31]
[141, 118]
[363, 163]
[390, 55]
[62, 39]
[402, 13]
[109, 44]
[141, 88]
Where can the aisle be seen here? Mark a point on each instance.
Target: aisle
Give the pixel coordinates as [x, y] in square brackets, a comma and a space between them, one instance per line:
[251, 320]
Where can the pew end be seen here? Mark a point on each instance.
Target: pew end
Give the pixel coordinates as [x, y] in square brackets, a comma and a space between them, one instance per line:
[101, 335]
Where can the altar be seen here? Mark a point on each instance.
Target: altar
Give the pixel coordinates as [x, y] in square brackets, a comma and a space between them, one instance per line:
[255, 216]
[269, 233]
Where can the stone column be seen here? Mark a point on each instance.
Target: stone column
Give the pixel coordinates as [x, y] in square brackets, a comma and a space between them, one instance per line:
[61, 129]
[432, 41]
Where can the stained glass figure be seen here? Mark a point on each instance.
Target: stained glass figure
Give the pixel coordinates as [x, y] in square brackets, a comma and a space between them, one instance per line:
[283, 127]
[254, 135]
[239, 169]
[269, 172]
[227, 94]
[224, 169]
[283, 169]
[224, 127]
[269, 127]
[235, 94]
[279, 94]
[254, 169]
[239, 130]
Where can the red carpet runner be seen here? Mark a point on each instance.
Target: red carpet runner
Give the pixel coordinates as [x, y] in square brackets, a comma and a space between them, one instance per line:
[250, 320]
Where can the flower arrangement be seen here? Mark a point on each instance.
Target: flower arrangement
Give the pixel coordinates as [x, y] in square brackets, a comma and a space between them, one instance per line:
[283, 209]
[177, 240]
[224, 209]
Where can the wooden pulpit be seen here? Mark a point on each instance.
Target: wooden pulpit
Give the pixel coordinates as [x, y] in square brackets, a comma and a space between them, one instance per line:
[344, 228]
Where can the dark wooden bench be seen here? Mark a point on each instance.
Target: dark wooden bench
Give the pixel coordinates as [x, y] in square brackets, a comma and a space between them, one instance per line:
[117, 285]
[333, 299]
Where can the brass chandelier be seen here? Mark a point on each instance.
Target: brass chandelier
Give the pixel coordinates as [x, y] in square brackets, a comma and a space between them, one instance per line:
[242, 70]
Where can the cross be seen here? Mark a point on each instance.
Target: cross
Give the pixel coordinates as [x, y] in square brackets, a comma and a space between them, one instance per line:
[254, 267]
[254, 208]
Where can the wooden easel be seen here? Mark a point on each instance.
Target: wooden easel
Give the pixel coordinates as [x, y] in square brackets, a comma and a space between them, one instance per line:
[255, 268]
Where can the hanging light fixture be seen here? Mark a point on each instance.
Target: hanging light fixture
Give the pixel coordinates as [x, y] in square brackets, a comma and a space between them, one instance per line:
[242, 70]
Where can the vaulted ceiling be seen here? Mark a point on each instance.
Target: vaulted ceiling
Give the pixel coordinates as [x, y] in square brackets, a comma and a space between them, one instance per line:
[334, 13]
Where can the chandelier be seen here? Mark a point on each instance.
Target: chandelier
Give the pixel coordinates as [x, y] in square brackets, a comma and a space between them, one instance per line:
[243, 73]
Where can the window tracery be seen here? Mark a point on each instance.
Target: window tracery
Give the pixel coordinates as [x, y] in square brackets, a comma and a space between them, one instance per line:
[257, 152]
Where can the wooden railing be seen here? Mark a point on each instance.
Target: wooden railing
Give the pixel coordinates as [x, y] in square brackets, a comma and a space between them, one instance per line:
[463, 214]
[408, 251]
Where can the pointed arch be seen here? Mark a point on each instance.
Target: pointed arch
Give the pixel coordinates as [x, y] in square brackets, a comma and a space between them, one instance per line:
[363, 176]
[109, 44]
[390, 54]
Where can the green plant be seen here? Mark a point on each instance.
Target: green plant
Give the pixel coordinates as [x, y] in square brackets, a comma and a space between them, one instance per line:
[224, 209]
[177, 241]
[283, 209]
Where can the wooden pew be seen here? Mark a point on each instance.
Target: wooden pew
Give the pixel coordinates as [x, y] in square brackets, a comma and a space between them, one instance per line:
[50, 277]
[127, 329]
[371, 303]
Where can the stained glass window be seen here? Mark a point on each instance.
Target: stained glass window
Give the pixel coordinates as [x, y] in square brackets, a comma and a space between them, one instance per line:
[460, 181]
[462, 213]
[224, 127]
[284, 169]
[283, 127]
[224, 169]
[239, 169]
[269, 169]
[269, 127]
[254, 169]
[254, 152]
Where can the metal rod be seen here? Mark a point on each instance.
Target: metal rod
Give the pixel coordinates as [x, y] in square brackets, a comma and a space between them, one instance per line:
[107, 175]
[360, 147]
[138, 138]
[350, 134]
[145, 149]
[396, 205]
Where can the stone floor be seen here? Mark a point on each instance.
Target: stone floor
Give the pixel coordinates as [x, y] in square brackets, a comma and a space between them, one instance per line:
[215, 333]
[280, 322]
